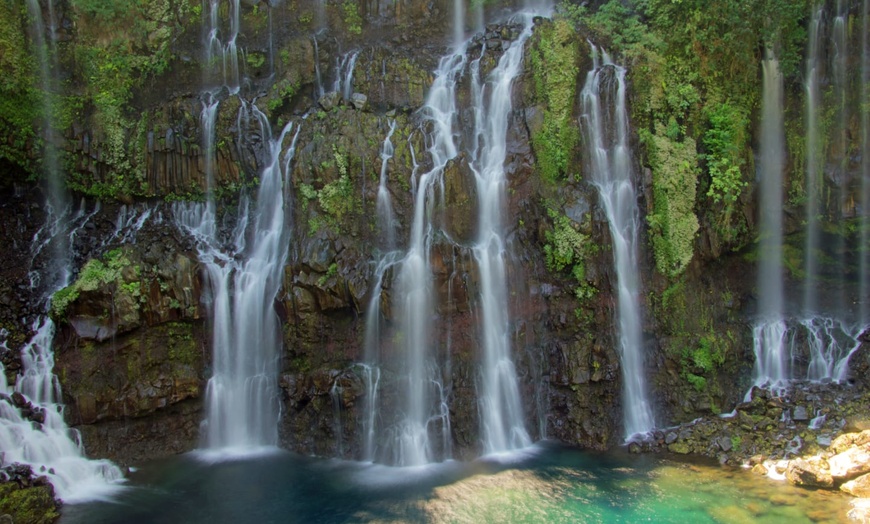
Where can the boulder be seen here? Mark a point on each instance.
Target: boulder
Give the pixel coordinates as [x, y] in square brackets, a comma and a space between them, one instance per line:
[802, 472]
[681, 448]
[848, 440]
[858, 487]
[850, 463]
[329, 100]
[358, 100]
[800, 414]
[860, 511]
[760, 469]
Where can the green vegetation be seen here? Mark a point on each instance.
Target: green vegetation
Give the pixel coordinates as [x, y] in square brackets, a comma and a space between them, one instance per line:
[255, 60]
[726, 140]
[689, 337]
[673, 223]
[282, 92]
[695, 83]
[567, 249]
[337, 199]
[20, 101]
[352, 18]
[555, 56]
[121, 46]
[95, 274]
[28, 505]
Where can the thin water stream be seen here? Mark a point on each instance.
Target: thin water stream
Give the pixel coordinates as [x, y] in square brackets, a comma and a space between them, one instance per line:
[605, 128]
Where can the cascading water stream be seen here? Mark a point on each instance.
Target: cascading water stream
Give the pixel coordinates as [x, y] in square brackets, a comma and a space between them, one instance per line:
[840, 136]
[864, 286]
[769, 333]
[813, 150]
[318, 80]
[242, 401]
[414, 298]
[458, 22]
[830, 342]
[57, 201]
[386, 219]
[374, 317]
[605, 128]
[32, 426]
[424, 411]
[344, 74]
[222, 57]
[501, 412]
[43, 439]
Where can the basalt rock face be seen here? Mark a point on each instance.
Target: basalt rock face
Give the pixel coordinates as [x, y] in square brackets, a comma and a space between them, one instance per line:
[133, 348]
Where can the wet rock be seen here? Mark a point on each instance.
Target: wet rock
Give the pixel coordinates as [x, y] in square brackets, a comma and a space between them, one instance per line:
[860, 511]
[358, 100]
[681, 448]
[759, 469]
[858, 487]
[848, 440]
[725, 443]
[850, 463]
[329, 100]
[19, 400]
[670, 438]
[802, 472]
[800, 414]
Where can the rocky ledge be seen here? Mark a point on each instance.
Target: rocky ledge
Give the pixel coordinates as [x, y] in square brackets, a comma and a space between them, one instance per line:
[26, 496]
[803, 419]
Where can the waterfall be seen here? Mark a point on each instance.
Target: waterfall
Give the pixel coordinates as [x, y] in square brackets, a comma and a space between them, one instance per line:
[318, 80]
[222, 58]
[864, 264]
[374, 317]
[344, 74]
[33, 432]
[458, 22]
[414, 301]
[768, 334]
[242, 396]
[813, 148]
[420, 430]
[32, 427]
[501, 413]
[605, 127]
[386, 220]
[830, 342]
[57, 202]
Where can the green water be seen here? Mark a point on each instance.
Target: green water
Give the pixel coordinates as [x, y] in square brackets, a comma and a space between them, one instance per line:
[547, 484]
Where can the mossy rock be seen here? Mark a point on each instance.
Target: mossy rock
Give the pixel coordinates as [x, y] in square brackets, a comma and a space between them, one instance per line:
[33, 505]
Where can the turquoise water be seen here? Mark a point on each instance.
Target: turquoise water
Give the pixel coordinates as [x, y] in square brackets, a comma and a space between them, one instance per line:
[548, 483]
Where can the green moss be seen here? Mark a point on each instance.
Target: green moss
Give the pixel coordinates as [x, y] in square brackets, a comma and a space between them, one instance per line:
[352, 18]
[282, 92]
[29, 505]
[255, 60]
[20, 101]
[95, 274]
[121, 46]
[673, 223]
[567, 249]
[181, 344]
[555, 56]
